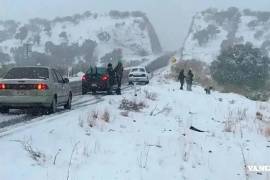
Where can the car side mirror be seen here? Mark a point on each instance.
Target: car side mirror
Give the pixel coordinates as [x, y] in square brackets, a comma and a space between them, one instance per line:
[66, 80]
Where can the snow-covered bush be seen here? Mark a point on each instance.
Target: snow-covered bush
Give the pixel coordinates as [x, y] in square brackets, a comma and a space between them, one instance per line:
[106, 116]
[131, 105]
[125, 113]
[35, 154]
[80, 121]
[150, 95]
[267, 132]
[92, 119]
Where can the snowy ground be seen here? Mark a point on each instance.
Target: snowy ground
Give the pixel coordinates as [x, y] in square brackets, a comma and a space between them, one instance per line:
[154, 143]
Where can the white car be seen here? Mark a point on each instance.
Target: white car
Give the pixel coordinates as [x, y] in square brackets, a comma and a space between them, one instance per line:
[138, 74]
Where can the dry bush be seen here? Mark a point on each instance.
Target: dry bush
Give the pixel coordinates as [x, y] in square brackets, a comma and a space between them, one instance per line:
[86, 151]
[259, 116]
[129, 105]
[81, 122]
[92, 118]
[242, 114]
[35, 154]
[156, 111]
[230, 123]
[150, 95]
[125, 113]
[106, 116]
[228, 126]
[267, 131]
[263, 107]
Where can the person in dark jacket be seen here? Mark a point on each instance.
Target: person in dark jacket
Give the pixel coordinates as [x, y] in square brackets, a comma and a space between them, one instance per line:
[189, 80]
[119, 74]
[111, 74]
[181, 78]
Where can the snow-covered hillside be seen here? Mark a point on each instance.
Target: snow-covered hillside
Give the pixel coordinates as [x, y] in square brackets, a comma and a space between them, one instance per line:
[84, 37]
[104, 142]
[212, 29]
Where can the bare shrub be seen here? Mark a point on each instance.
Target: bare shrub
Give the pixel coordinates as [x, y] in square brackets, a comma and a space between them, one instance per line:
[263, 107]
[143, 158]
[242, 114]
[133, 105]
[259, 116]
[86, 151]
[228, 126]
[106, 116]
[35, 154]
[229, 123]
[92, 119]
[267, 131]
[156, 111]
[81, 122]
[125, 113]
[150, 95]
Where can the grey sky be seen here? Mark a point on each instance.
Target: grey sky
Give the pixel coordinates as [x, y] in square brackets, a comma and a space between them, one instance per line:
[171, 18]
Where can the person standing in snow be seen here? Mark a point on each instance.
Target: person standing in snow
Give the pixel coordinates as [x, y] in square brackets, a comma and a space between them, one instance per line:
[181, 78]
[111, 74]
[119, 74]
[189, 80]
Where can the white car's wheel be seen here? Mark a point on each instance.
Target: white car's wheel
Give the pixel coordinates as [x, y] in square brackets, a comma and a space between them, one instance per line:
[68, 104]
[53, 107]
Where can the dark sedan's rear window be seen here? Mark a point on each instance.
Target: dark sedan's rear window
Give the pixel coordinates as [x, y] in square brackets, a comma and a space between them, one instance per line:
[96, 70]
[27, 73]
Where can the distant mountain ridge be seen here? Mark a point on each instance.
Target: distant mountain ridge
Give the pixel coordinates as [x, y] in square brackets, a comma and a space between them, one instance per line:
[213, 29]
[90, 38]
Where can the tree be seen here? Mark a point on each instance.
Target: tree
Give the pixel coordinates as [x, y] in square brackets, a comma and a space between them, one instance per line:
[4, 58]
[204, 35]
[63, 36]
[112, 57]
[240, 65]
[22, 34]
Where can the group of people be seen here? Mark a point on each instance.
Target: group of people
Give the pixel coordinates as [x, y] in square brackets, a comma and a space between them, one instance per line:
[189, 79]
[115, 74]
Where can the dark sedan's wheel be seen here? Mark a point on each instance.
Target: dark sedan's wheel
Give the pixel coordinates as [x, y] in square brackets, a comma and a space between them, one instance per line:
[130, 83]
[94, 92]
[84, 91]
[53, 107]
[4, 110]
[68, 104]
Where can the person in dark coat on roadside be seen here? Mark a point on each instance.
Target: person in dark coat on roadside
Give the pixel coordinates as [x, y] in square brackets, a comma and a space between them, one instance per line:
[111, 74]
[119, 74]
[181, 78]
[189, 80]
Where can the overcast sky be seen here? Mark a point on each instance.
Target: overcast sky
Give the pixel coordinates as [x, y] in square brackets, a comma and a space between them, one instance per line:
[171, 18]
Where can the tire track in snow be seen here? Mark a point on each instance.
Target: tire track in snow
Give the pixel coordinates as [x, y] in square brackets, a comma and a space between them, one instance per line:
[26, 119]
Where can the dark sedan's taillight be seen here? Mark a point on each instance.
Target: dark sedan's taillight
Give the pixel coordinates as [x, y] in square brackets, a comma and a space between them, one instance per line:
[41, 86]
[104, 78]
[2, 86]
